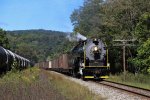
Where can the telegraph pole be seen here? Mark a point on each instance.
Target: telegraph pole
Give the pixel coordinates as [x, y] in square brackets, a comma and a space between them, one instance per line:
[124, 57]
[123, 44]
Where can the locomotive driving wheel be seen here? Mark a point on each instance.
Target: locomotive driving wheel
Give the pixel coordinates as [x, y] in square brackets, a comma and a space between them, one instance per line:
[83, 77]
[74, 73]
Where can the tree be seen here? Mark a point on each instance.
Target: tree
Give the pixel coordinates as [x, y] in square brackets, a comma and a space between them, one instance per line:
[3, 39]
[142, 61]
[109, 19]
[122, 16]
[87, 19]
[142, 30]
[142, 33]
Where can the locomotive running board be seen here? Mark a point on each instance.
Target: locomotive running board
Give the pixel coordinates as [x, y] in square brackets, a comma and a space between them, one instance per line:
[104, 77]
[94, 77]
[88, 76]
[97, 66]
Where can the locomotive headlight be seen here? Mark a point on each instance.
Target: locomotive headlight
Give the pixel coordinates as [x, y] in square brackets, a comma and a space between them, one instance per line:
[95, 48]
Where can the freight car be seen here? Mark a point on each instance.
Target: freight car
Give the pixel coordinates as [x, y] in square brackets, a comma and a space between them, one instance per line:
[8, 59]
[88, 59]
[44, 65]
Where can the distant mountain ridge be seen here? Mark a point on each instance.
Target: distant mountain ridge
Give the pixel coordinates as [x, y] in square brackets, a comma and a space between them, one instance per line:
[36, 45]
[36, 30]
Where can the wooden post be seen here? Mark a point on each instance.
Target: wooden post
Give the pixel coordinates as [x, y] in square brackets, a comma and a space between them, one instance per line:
[124, 60]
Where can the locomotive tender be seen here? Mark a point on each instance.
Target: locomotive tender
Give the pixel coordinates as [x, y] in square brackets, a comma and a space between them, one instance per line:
[8, 58]
[88, 59]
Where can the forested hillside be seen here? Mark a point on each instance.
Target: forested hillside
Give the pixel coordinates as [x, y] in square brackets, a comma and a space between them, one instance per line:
[121, 20]
[37, 45]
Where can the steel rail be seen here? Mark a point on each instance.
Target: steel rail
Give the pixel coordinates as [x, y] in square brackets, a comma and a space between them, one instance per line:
[128, 88]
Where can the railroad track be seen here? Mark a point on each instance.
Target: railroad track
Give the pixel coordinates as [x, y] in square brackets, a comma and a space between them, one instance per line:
[128, 88]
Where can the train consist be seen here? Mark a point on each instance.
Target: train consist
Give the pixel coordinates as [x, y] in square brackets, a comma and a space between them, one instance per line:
[8, 59]
[88, 59]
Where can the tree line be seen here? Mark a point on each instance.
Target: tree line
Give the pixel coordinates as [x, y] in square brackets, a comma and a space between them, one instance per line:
[36, 45]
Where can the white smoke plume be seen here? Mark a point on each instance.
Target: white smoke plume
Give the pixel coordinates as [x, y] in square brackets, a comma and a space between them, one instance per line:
[76, 37]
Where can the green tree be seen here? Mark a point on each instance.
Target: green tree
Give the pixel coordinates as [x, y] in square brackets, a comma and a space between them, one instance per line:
[3, 39]
[87, 19]
[142, 61]
[122, 16]
[142, 33]
[142, 30]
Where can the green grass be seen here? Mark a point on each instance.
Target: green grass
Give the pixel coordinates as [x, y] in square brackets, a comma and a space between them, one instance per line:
[138, 80]
[72, 90]
[37, 84]
[29, 84]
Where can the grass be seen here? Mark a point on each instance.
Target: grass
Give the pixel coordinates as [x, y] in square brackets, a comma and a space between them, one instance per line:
[138, 80]
[29, 84]
[72, 90]
[37, 84]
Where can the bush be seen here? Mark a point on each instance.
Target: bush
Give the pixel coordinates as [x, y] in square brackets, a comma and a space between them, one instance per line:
[143, 59]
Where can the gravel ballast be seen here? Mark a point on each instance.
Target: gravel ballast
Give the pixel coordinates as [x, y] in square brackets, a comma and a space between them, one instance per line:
[105, 91]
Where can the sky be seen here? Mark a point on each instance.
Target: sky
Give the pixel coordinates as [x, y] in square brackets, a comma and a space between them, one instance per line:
[37, 14]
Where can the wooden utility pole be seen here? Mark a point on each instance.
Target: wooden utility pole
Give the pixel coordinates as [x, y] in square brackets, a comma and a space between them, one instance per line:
[124, 57]
[124, 43]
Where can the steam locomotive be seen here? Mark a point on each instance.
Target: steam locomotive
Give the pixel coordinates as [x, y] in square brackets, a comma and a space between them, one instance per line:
[88, 59]
[9, 59]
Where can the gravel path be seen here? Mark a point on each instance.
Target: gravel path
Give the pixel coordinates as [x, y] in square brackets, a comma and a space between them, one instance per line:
[106, 92]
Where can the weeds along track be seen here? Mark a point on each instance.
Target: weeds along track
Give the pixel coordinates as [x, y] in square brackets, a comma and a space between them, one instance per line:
[128, 88]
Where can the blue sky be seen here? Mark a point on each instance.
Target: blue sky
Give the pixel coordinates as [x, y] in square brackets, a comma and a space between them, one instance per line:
[37, 14]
